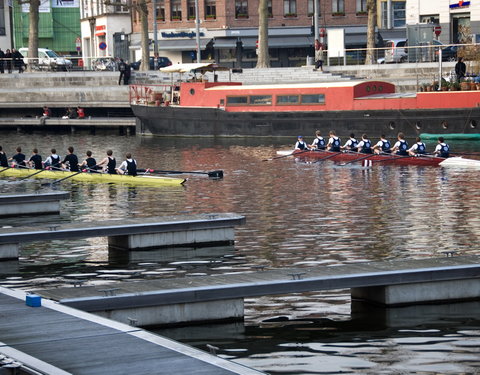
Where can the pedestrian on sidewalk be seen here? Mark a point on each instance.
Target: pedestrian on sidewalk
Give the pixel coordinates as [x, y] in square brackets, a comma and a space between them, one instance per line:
[121, 69]
[318, 55]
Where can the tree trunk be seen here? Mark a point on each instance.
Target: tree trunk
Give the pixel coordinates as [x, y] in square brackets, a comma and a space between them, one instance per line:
[372, 22]
[143, 10]
[33, 34]
[263, 60]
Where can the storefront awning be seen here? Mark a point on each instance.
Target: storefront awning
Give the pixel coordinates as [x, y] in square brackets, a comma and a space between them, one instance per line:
[182, 44]
[273, 42]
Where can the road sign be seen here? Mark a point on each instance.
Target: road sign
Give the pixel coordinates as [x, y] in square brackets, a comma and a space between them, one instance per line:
[102, 45]
[437, 30]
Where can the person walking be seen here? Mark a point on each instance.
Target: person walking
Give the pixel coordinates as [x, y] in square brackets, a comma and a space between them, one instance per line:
[318, 55]
[128, 71]
[460, 69]
[121, 68]
[17, 60]
[8, 60]
[2, 61]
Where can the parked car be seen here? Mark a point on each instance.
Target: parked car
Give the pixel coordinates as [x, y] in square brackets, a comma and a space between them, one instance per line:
[104, 64]
[48, 59]
[395, 51]
[162, 62]
[449, 53]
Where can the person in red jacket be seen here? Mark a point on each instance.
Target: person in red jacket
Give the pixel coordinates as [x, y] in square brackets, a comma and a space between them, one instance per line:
[80, 113]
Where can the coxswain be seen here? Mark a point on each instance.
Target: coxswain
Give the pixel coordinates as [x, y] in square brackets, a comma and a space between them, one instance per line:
[301, 144]
[333, 142]
[3, 158]
[71, 161]
[401, 146]
[109, 163]
[18, 159]
[382, 146]
[442, 150]
[35, 160]
[128, 166]
[319, 142]
[364, 146]
[89, 163]
[53, 161]
[418, 148]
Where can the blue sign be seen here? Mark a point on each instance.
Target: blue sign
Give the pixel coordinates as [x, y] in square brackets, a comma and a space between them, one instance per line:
[181, 34]
[102, 45]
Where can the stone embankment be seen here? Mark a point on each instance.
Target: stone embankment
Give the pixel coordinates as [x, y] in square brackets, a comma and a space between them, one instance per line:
[101, 90]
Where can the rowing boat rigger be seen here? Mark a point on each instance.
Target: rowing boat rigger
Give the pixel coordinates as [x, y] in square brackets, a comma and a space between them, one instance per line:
[425, 160]
[96, 177]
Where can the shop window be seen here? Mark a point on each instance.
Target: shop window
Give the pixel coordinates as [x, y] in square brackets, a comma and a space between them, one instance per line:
[289, 8]
[241, 9]
[160, 14]
[176, 10]
[430, 18]
[210, 9]
[461, 28]
[237, 100]
[261, 99]
[313, 99]
[287, 99]
[338, 7]
[191, 9]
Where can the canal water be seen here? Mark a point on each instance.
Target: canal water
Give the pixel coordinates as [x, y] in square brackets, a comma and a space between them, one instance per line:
[298, 214]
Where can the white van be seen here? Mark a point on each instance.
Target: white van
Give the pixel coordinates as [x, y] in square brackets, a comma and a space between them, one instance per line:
[47, 59]
[395, 51]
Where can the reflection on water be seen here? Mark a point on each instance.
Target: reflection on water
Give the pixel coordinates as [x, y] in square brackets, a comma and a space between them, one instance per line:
[305, 215]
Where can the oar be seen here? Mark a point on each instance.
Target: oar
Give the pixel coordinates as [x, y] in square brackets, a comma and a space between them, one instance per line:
[214, 174]
[4, 169]
[359, 159]
[284, 156]
[397, 157]
[66, 178]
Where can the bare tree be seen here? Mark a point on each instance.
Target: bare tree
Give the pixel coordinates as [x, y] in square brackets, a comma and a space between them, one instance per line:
[263, 59]
[371, 23]
[141, 6]
[33, 12]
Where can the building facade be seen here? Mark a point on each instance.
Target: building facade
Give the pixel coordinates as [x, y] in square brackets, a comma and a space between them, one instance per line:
[105, 29]
[229, 29]
[391, 19]
[58, 26]
[459, 20]
[5, 26]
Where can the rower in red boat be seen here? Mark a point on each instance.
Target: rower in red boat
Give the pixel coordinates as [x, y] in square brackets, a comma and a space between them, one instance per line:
[383, 146]
[351, 144]
[364, 146]
[319, 142]
[301, 144]
[401, 147]
[442, 150]
[333, 142]
[418, 148]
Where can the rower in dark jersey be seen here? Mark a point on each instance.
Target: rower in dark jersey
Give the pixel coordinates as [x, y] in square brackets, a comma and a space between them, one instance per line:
[333, 142]
[71, 161]
[401, 147]
[53, 161]
[364, 146]
[109, 163]
[128, 166]
[35, 160]
[89, 163]
[19, 158]
[383, 146]
[3, 158]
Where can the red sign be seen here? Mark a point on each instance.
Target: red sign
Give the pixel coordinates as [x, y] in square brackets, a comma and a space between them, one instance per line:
[437, 30]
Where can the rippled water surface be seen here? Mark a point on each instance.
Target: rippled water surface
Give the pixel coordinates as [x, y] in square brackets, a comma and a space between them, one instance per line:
[298, 214]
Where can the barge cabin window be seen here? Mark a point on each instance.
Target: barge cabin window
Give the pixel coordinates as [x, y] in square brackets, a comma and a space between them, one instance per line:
[307, 99]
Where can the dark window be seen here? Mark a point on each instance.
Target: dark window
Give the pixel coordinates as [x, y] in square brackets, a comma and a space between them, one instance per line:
[237, 100]
[338, 6]
[2, 19]
[160, 10]
[287, 99]
[261, 99]
[313, 99]
[176, 11]
[241, 9]
[269, 9]
[210, 9]
[191, 9]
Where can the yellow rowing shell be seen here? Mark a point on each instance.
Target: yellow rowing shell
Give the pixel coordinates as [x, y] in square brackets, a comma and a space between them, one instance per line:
[96, 177]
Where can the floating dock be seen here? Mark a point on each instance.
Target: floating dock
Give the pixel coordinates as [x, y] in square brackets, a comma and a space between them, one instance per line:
[31, 204]
[58, 340]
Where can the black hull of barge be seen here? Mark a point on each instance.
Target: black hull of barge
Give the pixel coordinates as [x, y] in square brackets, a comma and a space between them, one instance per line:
[182, 121]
